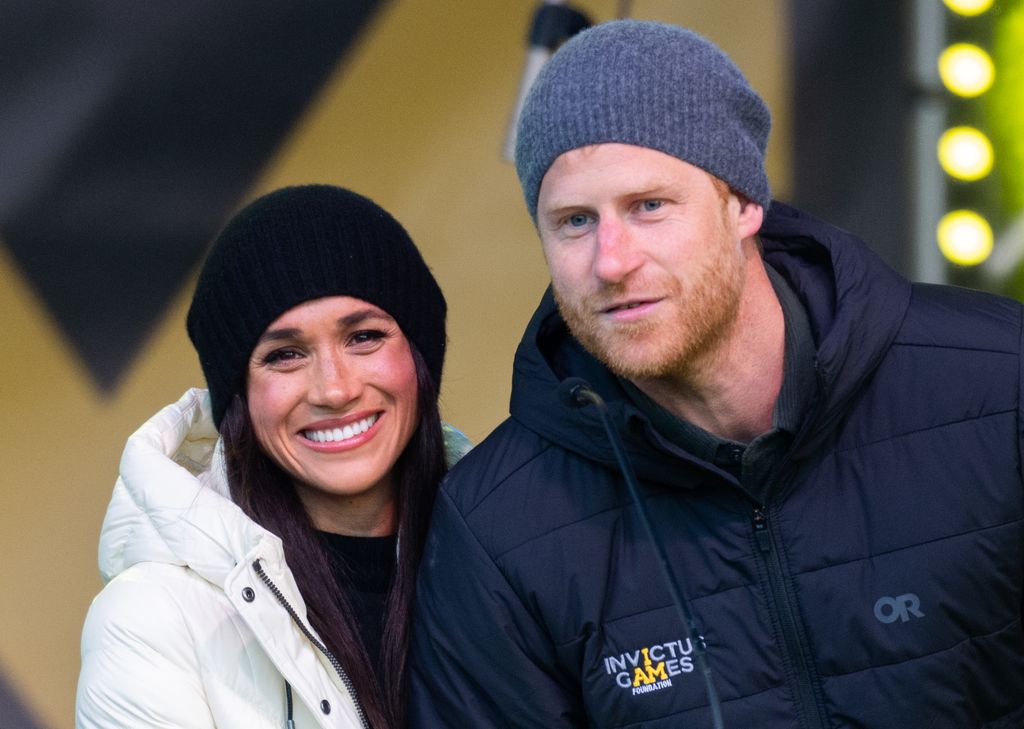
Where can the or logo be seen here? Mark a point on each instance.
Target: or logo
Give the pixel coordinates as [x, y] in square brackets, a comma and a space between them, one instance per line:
[891, 609]
[650, 668]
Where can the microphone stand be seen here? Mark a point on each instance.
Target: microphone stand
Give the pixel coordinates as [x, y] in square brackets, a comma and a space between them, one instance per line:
[553, 23]
[581, 394]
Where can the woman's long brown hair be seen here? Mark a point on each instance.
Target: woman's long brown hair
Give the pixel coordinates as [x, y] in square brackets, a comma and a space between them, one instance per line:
[266, 494]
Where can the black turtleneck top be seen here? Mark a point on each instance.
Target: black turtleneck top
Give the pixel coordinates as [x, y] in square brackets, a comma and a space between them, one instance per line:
[363, 567]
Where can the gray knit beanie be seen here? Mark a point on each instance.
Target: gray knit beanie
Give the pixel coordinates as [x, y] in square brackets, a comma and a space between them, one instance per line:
[302, 243]
[651, 85]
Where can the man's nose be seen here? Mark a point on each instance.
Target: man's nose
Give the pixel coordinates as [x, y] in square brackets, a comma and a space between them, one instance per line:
[616, 255]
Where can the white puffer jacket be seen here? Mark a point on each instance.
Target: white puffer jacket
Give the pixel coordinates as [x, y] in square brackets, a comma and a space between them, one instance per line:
[187, 632]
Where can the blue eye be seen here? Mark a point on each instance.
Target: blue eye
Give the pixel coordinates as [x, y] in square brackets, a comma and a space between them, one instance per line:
[650, 205]
[578, 220]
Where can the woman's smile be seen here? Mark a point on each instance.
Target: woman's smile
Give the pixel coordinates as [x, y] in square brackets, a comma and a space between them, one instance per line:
[346, 435]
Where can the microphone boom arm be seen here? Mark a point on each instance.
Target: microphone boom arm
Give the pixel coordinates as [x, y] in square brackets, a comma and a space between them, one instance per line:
[581, 394]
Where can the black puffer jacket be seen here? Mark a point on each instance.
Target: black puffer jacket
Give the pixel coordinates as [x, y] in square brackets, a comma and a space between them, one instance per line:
[879, 586]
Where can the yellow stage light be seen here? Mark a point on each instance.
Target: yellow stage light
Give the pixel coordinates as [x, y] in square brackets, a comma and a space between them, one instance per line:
[964, 237]
[966, 70]
[968, 7]
[965, 153]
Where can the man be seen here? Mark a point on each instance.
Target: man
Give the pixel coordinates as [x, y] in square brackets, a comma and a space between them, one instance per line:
[830, 455]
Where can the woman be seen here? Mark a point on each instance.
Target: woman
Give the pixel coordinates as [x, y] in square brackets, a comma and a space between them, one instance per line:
[265, 578]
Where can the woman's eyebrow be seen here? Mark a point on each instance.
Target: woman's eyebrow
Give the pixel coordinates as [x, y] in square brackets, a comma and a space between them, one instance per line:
[358, 317]
[274, 335]
[349, 320]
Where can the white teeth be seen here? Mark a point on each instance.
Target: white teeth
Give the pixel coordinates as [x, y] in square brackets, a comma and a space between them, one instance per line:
[333, 435]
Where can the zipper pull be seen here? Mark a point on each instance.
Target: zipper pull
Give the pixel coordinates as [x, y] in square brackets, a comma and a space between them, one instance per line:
[761, 530]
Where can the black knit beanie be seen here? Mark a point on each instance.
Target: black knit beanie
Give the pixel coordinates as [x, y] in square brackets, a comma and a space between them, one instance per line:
[302, 243]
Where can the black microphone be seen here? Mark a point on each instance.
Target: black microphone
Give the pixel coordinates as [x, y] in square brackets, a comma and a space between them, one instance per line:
[553, 23]
[578, 393]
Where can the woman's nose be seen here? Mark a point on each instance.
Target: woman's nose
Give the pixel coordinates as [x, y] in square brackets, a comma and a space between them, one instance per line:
[335, 383]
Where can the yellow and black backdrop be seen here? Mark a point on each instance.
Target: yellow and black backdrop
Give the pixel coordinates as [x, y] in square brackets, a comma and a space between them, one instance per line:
[129, 131]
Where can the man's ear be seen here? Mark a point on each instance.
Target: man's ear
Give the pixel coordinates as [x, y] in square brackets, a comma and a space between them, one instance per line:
[750, 218]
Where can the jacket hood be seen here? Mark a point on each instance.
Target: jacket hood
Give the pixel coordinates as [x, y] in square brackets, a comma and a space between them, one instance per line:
[170, 503]
[855, 304]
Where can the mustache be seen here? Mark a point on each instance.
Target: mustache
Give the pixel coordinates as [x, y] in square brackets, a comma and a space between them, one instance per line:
[607, 296]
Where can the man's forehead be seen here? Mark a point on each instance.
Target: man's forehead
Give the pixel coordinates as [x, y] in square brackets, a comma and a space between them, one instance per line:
[616, 164]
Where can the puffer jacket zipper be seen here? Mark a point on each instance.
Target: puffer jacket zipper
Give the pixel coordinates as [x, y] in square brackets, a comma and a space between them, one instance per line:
[808, 706]
[314, 640]
[809, 709]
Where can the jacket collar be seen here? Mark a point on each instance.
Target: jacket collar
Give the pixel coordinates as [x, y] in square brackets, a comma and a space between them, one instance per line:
[170, 502]
[855, 305]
